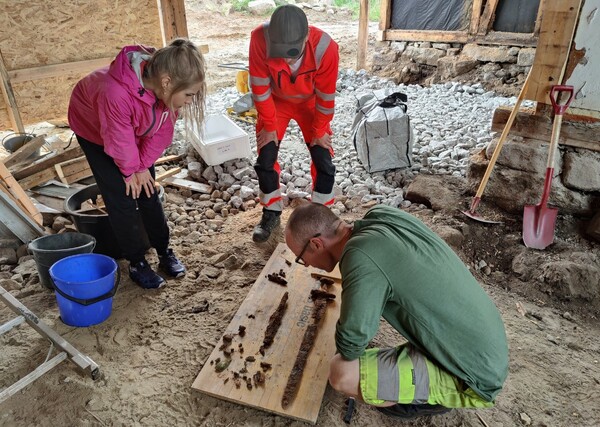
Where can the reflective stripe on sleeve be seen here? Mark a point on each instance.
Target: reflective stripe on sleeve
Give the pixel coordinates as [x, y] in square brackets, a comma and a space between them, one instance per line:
[321, 48]
[324, 110]
[260, 81]
[325, 96]
[262, 97]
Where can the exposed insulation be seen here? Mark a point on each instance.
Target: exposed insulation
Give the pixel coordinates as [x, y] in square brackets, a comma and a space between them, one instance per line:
[35, 34]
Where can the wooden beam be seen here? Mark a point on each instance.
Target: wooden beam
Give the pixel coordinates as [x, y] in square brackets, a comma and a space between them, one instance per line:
[73, 170]
[536, 126]
[169, 158]
[363, 35]
[426, 35]
[557, 29]
[502, 38]
[174, 23]
[538, 19]
[385, 15]
[57, 70]
[26, 150]
[187, 184]
[487, 18]
[475, 16]
[37, 178]
[168, 173]
[48, 162]
[16, 191]
[9, 99]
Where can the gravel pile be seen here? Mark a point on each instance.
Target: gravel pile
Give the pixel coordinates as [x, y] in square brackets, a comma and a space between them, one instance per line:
[449, 120]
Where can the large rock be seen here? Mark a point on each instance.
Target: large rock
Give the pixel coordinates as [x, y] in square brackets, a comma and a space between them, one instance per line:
[261, 7]
[578, 276]
[435, 191]
[422, 55]
[488, 54]
[526, 56]
[511, 189]
[577, 170]
[525, 155]
[452, 66]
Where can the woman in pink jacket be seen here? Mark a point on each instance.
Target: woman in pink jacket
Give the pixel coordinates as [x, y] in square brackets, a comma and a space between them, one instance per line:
[123, 116]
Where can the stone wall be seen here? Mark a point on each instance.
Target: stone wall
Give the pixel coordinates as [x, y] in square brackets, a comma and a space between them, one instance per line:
[518, 176]
[427, 62]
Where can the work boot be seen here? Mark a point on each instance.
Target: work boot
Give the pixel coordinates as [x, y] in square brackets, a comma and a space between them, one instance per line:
[171, 265]
[268, 222]
[142, 274]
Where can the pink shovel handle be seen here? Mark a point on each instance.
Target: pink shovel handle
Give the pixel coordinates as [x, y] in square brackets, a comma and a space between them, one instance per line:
[554, 94]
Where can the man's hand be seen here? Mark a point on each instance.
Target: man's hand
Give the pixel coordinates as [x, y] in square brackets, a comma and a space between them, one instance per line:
[263, 137]
[132, 188]
[324, 141]
[145, 182]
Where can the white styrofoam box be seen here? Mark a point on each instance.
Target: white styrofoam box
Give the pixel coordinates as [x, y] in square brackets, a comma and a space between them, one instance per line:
[222, 140]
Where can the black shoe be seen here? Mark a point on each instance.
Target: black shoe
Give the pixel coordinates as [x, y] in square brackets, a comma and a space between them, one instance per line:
[142, 274]
[268, 222]
[408, 411]
[171, 265]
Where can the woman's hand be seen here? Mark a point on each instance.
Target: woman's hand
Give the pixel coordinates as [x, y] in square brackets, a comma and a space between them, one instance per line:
[145, 182]
[263, 137]
[132, 188]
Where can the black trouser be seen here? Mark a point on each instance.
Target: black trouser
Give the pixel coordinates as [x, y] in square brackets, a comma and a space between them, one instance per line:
[124, 212]
[267, 169]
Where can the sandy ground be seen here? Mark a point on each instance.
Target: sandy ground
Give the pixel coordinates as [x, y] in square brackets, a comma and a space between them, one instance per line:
[155, 343]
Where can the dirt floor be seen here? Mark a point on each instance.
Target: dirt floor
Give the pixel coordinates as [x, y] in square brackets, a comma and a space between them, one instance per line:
[154, 344]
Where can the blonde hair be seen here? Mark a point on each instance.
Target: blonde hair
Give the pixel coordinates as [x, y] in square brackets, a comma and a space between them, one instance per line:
[183, 62]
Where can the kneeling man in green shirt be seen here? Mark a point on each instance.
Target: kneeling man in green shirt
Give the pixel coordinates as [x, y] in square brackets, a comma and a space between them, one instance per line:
[394, 267]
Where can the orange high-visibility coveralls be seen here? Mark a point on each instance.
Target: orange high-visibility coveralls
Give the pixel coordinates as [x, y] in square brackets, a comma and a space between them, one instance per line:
[307, 96]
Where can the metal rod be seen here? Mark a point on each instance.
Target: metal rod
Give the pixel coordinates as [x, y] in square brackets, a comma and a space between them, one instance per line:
[32, 376]
[11, 324]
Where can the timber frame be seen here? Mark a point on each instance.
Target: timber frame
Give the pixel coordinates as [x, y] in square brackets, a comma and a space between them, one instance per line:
[480, 29]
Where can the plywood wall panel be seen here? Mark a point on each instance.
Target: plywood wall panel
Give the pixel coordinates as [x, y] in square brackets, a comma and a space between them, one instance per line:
[57, 31]
[39, 33]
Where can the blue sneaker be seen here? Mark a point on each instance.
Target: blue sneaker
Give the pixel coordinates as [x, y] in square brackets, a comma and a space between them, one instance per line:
[171, 265]
[142, 274]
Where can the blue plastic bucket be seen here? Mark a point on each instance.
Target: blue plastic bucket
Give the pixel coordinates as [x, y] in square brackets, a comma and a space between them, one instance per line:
[85, 285]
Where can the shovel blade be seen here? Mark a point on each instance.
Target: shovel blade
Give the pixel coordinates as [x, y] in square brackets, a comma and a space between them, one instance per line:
[476, 217]
[538, 226]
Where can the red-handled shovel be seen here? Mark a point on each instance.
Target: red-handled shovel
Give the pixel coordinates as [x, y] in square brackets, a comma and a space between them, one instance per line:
[539, 220]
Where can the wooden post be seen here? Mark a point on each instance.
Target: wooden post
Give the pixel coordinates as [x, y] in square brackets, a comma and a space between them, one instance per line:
[9, 99]
[538, 20]
[557, 30]
[475, 15]
[363, 35]
[173, 20]
[487, 19]
[385, 19]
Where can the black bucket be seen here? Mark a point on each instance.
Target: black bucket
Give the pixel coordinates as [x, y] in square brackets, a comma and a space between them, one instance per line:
[47, 250]
[96, 224]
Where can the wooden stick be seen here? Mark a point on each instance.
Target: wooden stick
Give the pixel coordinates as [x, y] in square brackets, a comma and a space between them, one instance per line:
[168, 173]
[15, 189]
[482, 420]
[9, 98]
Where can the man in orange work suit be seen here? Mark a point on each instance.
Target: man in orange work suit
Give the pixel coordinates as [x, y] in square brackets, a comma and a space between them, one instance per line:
[293, 74]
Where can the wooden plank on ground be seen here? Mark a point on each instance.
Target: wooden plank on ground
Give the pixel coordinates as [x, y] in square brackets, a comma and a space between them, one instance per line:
[170, 158]
[168, 173]
[37, 178]
[48, 162]
[536, 126]
[73, 170]
[262, 300]
[559, 21]
[16, 191]
[188, 185]
[24, 151]
[333, 275]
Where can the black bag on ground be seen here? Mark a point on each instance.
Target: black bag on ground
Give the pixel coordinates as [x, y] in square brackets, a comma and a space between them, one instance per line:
[381, 132]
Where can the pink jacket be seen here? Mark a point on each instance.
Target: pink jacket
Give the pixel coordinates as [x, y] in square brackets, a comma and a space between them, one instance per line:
[110, 107]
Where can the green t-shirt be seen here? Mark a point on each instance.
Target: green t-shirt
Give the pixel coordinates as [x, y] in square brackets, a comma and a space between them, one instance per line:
[394, 266]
